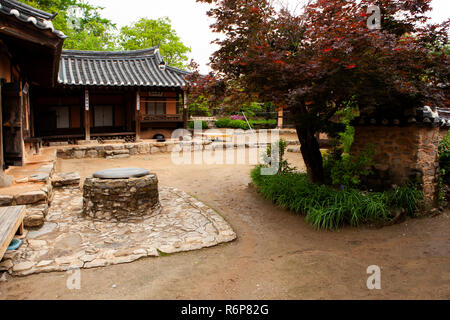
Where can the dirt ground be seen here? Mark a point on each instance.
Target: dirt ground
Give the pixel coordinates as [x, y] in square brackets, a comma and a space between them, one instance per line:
[277, 254]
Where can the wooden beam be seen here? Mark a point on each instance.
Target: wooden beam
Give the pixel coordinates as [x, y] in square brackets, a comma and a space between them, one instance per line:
[87, 121]
[11, 26]
[138, 116]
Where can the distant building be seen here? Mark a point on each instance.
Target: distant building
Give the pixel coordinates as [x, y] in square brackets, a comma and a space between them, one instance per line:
[105, 94]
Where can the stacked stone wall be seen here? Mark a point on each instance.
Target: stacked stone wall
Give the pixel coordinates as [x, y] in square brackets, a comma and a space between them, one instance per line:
[121, 199]
[402, 154]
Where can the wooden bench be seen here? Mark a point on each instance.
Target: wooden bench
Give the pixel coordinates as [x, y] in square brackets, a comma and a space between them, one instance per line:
[11, 222]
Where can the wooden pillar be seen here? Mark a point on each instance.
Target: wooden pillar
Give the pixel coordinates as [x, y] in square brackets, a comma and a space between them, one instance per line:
[138, 116]
[2, 163]
[20, 132]
[184, 110]
[129, 111]
[87, 120]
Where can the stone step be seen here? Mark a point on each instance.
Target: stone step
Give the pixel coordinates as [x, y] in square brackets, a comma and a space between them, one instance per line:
[58, 143]
[294, 149]
[40, 177]
[31, 197]
[117, 152]
[118, 156]
[6, 200]
[35, 215]
[66, 179]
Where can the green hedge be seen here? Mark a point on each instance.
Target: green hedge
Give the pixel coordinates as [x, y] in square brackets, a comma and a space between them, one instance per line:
[191, 125]
[242, 124]
[329, 208]
[234, 124]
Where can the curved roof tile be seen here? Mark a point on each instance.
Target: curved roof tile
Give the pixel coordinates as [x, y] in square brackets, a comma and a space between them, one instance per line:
[40, 19]
[118, 68]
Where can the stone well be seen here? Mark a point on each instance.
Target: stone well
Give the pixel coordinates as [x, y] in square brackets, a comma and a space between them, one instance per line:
[121, 194]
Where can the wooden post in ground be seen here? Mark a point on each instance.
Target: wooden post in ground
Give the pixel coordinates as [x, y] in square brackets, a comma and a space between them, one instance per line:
[87, 122]
[138, 116]
[280, 118]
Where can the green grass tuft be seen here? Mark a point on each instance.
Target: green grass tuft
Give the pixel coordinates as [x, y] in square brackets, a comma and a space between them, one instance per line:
[329, 208]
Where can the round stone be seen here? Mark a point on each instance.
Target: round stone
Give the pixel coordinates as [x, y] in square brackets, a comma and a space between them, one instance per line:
[121, 173]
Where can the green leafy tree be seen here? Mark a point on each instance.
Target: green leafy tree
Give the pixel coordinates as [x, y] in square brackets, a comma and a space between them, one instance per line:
[81, 22]
[250, 109]
[149, 33]
[199, 108]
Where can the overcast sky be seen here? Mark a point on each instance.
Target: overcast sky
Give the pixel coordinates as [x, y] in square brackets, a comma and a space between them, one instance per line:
[190, 21]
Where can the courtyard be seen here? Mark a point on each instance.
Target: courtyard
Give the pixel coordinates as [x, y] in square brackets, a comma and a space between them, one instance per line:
[276, 254]
[304, 154]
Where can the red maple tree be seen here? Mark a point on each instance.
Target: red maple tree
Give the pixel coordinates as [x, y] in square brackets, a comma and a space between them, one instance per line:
[315, 62]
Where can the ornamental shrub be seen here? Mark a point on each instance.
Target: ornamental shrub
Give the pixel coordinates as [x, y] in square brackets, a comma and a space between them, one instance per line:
[329, 208]
[348, 170]
[444, 157]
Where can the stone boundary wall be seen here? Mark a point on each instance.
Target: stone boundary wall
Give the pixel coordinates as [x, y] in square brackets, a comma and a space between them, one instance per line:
[124, 150]
[428, 162]
[402, 154]
[116, 151]
[110, 151]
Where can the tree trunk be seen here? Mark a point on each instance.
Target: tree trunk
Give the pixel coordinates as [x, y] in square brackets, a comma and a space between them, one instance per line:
[311, 153]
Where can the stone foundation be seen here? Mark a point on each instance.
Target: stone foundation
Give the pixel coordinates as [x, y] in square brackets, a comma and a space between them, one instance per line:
[402, 154]
[121, 199]
[125, 150]
[37, 199]
[114, 151]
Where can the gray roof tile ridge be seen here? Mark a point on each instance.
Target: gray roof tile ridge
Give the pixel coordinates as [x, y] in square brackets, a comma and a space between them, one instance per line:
[40, 19]
[126, 54]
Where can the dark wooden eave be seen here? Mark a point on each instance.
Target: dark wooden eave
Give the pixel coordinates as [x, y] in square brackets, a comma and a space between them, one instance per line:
[33, 43]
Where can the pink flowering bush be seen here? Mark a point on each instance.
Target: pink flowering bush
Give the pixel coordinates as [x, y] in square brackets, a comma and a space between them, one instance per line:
[237, 117]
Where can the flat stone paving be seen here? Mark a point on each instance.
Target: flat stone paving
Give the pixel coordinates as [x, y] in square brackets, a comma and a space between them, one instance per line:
[73, 241]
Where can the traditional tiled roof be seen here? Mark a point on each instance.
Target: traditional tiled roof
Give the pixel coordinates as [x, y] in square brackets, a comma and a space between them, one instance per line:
[40, 19]
[420, 116]
[118, 68]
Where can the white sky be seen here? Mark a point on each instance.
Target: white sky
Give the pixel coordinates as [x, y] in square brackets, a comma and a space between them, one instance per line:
[191, 23]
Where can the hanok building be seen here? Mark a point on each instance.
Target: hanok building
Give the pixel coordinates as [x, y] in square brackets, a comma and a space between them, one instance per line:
[30, 52]
[131, 94]
[50, 94]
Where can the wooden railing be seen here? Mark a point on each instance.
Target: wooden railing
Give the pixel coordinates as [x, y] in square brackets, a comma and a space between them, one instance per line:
[161, 117]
